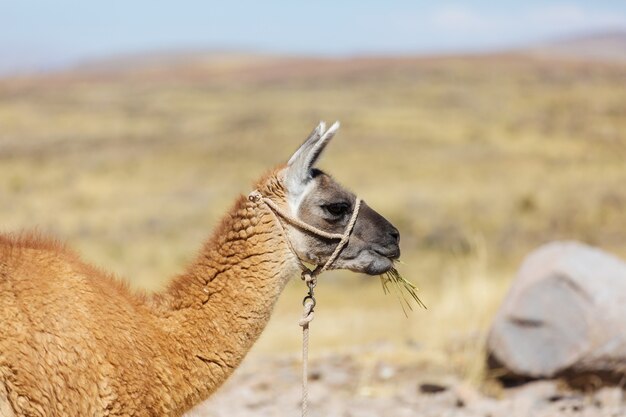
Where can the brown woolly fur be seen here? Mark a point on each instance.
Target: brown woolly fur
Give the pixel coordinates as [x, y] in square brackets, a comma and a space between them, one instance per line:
[75, 341]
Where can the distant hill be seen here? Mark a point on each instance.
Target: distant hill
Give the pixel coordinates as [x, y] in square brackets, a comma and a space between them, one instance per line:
[605, 46]
[251, 66]
[244, 66]
[165, 58]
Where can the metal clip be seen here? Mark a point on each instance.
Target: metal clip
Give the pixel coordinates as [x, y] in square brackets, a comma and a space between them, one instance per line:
[254, 196]
[310, 281]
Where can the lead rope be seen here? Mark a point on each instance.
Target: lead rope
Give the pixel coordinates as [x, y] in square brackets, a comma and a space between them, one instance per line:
[309, 276]
[307, 318]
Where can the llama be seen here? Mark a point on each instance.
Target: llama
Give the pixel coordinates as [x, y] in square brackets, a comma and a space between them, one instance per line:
[75, 341]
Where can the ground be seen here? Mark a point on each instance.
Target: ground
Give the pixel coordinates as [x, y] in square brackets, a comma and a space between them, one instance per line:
[354, 384]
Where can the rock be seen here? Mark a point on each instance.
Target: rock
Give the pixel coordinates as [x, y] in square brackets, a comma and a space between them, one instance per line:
[565, 312]
[430, 388]
[609, 397]
[466, 395]
[536, 390]
[385, 371]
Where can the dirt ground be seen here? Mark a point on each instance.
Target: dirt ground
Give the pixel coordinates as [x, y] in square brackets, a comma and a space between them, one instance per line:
[343, 385]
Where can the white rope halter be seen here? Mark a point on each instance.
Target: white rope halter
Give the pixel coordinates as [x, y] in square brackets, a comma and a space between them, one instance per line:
[308, 276]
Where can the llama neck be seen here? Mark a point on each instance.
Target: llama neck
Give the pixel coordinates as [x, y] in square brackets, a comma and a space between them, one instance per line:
[218, 308]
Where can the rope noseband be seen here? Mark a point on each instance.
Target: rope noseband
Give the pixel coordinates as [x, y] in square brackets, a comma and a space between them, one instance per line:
[308, 276]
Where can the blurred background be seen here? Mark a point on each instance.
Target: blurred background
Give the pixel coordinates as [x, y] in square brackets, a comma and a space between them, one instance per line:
[480, 129]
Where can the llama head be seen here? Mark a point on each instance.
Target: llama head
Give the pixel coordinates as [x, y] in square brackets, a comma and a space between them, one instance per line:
[318, 200]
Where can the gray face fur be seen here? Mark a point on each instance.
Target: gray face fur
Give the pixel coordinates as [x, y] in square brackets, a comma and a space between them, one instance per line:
[317, 199]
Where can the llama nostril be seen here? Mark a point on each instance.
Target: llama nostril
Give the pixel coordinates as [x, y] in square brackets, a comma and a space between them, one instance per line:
[395, 234]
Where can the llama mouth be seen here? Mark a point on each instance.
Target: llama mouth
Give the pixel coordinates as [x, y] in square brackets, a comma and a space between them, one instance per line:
[369, 262]
[392, 254]
[380, 264]
[377, 268]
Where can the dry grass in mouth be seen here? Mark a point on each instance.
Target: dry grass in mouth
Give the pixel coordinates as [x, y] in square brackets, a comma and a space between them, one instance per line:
[402, 287]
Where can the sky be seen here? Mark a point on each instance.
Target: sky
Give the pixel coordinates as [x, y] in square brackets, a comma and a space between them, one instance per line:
[47, 34]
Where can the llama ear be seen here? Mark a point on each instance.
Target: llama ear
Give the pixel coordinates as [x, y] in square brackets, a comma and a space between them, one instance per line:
[302, 161]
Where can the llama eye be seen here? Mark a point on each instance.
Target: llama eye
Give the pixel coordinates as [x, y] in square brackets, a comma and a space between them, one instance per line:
[337, 209]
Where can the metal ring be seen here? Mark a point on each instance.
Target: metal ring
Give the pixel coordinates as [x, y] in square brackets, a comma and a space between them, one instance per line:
[254, 196]
[309, 297]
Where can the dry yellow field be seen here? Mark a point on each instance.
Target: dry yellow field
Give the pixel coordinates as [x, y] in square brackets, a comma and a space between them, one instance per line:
[477, 160]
